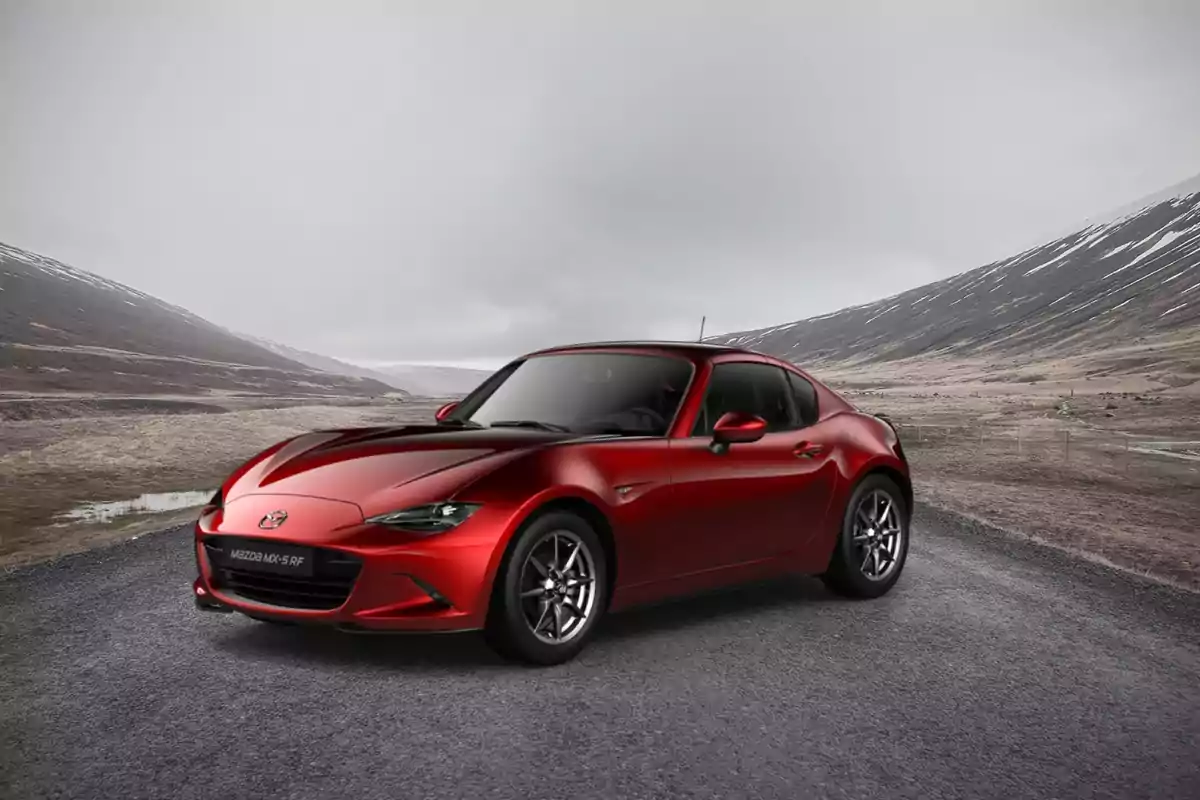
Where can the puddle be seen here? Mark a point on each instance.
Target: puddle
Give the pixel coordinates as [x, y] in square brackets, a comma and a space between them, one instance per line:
[146, 504]
[1186, 455]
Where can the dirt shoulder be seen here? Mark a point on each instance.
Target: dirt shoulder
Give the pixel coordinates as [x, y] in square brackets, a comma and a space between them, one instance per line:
[1111, 471]
[51, 465]
[1107, 468]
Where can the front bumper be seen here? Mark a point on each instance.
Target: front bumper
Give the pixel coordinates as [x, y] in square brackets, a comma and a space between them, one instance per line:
[435, 585]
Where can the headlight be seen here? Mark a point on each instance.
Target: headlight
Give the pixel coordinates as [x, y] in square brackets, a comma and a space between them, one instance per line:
[433, 518]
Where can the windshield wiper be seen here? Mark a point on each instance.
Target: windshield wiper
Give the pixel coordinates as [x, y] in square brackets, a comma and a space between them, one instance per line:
[530, 423]
[458, 423]
[616, 431]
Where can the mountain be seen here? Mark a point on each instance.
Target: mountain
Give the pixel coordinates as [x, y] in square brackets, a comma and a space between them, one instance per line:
[326, 363]
[435, 381]
[410, 379]
[65, 329]
[1130, 279]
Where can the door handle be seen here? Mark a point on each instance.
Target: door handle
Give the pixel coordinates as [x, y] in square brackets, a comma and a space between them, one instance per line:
[808, 450]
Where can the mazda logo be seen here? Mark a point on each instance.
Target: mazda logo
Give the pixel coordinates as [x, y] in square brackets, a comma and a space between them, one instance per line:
[273, 520]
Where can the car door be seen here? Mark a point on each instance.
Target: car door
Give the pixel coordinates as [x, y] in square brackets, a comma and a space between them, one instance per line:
[755, 500]
[815, 446]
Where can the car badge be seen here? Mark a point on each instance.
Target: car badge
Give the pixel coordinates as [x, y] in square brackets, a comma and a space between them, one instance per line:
[271, 521]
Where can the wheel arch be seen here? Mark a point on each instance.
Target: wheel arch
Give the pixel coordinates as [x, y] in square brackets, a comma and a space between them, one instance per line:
[838, 575]
[897, 477]
[848, 484]
[599, 522]
[586, 510]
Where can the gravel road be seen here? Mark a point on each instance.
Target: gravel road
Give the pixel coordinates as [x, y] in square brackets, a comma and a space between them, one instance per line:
[995, 669]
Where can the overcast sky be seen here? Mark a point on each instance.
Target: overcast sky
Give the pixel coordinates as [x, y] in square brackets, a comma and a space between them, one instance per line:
[453, 182]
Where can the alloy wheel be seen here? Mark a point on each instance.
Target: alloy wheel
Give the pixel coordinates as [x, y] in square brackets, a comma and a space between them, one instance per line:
[558, 587]
[878, 535]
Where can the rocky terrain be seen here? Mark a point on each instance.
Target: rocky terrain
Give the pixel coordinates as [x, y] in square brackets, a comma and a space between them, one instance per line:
[435, 381]
[1108, 286]
[66, 332]
[1055, 393]
[326, 364]
[420, 379]
[63, 329]
[110, 397]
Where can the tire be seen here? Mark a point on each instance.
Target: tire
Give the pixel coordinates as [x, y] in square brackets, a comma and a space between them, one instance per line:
[851, 568]
[530, 566]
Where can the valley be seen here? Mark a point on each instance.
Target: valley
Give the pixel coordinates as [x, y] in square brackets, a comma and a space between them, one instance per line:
[1055, 394]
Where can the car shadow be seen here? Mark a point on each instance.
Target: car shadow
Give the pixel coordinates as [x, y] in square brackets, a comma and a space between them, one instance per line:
[711, 606]
[467, 652]
[454, 652]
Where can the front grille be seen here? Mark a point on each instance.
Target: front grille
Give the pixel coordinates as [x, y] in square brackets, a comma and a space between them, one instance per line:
[334, 573]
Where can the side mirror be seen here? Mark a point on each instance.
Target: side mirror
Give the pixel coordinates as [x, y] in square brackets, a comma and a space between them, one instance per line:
[445, 411]
[734, 427]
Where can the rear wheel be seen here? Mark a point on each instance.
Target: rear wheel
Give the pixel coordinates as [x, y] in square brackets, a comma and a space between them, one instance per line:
[873, 545]
[549, 592]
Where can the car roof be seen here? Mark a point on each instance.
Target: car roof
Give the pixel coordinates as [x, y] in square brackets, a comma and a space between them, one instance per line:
[693, 349]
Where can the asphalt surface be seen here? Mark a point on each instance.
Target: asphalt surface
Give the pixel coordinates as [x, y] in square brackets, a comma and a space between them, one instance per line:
[995, 669]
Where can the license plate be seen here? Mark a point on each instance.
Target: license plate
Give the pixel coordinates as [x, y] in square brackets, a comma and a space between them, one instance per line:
[279, 559]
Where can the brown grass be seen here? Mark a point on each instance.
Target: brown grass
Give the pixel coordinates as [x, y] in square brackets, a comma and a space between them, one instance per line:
[1048, 459]
[48, 466]
[1063, 460]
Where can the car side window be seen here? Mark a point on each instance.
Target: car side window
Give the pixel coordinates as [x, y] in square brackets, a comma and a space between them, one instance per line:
[806, 399]
[750, 388]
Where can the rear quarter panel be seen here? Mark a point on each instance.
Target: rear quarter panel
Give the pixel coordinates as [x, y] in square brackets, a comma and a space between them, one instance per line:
[862, 444]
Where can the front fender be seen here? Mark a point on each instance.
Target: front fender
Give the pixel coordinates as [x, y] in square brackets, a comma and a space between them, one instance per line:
[525, 485]
[519, 517]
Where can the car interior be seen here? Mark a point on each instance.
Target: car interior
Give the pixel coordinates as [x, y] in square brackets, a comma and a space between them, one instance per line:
[758, 389]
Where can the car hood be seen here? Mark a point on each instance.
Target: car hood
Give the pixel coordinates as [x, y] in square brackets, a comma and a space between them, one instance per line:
[362, 464]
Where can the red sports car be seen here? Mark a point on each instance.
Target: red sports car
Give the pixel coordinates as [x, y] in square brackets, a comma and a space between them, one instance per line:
[572, 482]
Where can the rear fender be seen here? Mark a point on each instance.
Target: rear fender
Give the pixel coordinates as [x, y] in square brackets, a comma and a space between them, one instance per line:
[895, 469]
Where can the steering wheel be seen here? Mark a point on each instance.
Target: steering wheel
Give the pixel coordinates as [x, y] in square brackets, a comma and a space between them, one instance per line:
[656, 420]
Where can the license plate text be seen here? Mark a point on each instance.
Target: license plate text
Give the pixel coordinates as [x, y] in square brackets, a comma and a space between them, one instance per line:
[259, 557]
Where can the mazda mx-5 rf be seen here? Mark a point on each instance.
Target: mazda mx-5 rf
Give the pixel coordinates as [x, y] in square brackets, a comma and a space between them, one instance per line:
[572, 482]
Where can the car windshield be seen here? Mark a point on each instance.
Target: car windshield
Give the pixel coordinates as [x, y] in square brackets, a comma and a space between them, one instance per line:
[587, 393]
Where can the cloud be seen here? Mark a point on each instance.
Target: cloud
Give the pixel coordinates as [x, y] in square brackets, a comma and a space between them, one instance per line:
[387, 181]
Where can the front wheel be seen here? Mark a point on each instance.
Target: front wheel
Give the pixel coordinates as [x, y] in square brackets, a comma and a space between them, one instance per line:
[550, 591]
[871, 551]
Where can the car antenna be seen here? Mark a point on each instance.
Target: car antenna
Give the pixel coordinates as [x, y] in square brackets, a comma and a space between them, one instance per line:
[701, 339]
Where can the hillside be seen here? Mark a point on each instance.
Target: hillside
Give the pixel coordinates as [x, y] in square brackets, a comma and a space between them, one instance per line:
[426, 380]
[435, 381]
[63, 329]
[328, 364]
[1115, 284]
